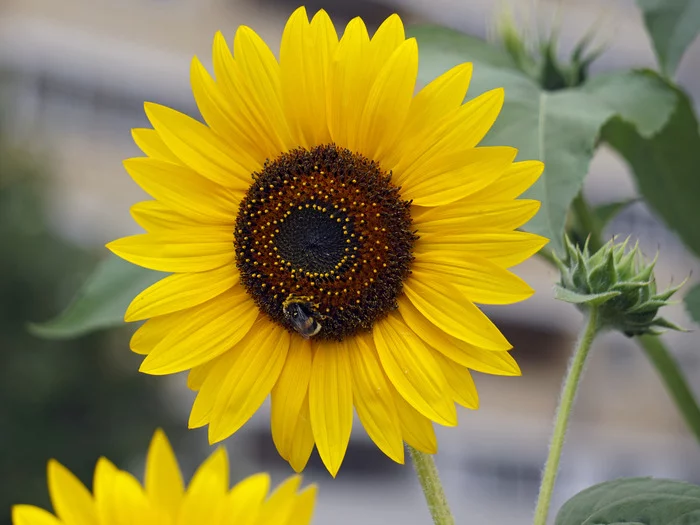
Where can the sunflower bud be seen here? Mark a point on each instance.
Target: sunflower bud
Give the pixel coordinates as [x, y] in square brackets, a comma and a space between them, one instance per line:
[619, 283]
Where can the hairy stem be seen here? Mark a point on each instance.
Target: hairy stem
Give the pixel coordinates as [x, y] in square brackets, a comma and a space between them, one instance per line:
[432, 487]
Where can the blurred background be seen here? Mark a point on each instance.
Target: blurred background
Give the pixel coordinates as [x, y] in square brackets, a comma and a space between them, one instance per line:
[73, 78]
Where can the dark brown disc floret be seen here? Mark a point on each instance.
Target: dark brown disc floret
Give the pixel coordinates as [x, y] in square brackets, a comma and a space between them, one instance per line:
[324, 242]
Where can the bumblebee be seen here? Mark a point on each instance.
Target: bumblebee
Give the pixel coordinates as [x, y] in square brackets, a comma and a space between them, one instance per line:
[303, 315]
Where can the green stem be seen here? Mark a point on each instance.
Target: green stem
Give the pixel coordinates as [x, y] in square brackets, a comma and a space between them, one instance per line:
[587, 222]
[432, 487]
[566, 403]
[674, 380]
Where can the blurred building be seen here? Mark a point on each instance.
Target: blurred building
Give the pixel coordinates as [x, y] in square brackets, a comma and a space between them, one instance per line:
[77, 74]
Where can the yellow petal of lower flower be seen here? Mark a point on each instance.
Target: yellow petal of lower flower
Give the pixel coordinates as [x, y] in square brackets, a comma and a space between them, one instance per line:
[195, 250]
[259, 359]
[388, 101]
[289, 394]
[181, 291]
[103, 486]
[450, 177]
[503, 248]
[486, 361]
[460, 381]
[202, 333]
[71, 501]
[163, 480]
[432, 103]
[348, 84]
[411, 368]
[29, 515]
[153, 216]
[303, 507]
[279, 506]
[482, 281]
[373, 400]
[184, 191]
[244, 501]
[464, 216]
[204, 500]
[129, 504]
[305, 54]
[417, 429]
[198, 147]
[302, 440]
[330, 403]
[512, 183]
[447, 307]
[152, 145]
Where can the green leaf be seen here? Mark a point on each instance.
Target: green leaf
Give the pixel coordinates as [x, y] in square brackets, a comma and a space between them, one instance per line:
[672, 26]
[101, 302]
[633, 501]
[692, 303]
[595, 299]
[560, 127]
[666, 167]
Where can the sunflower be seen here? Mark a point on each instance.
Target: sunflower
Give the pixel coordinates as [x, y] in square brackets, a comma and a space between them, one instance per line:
[119, 499]
[328, 232]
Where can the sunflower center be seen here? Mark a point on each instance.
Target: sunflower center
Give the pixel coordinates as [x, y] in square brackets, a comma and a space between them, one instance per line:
[324, 242]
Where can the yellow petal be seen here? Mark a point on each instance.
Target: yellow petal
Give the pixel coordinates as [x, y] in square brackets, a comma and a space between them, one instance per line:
[260, 73]
[330, 403]
[152, 145]
[303, 507]
[460, 381]
[416, 428]
[447, 307]
[373, 400]
[462, 129]
[195, 250]
[464, 216]
[217, 113]
[154, 216]
[413, 371]
[305, 54]
[503, 248]
[151, 333]
[454, 175]
[388, 101]
[184, 191]
[163, 480]
[481, 280]
[434, 102]
[129, 505]
[104, 486]
[204, 500]
[29, 515]
[279, 507]
[348, 84]
[514, 181]
[303, 439]
[197, 375]
[203, 406]
[245, 500]
[202, 333]
[181, 291]
[289, 394]
[198, 147]
[71, 501]
[487, 361]
[259, 358]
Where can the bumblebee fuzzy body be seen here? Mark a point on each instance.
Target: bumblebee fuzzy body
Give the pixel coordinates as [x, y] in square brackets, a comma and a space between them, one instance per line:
[302, 314]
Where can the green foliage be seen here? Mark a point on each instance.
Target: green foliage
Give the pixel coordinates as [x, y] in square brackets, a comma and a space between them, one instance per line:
[616, 281]
[102, 300]
[606, 212]
[633, 501]
[672, 26]
[692, 303]
[665, 167]
[558, 127]
[71, 401]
